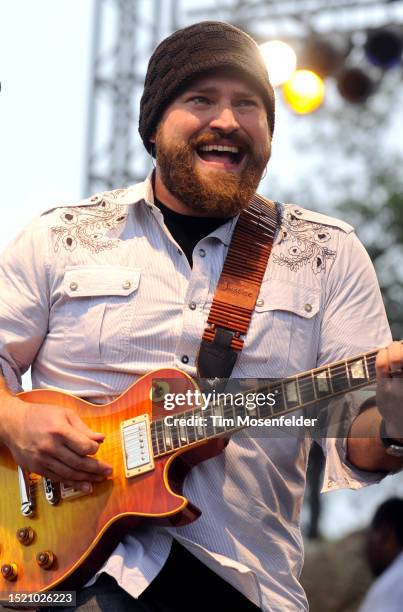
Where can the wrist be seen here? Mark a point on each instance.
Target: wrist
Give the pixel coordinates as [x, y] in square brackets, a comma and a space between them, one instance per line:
[391, 432]
[393, 445]
[9, 407]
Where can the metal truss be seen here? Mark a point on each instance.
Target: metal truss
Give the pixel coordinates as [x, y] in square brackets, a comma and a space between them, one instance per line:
[125, 34]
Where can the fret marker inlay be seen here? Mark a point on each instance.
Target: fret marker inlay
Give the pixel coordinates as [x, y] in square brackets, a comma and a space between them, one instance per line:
[357, 369]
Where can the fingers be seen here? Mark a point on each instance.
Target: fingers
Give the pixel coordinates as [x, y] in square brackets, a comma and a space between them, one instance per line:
[389, 360]
[54, 468]
[81, 439]
[80, 464]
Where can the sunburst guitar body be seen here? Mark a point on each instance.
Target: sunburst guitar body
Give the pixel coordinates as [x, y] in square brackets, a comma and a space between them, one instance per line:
[51, 536]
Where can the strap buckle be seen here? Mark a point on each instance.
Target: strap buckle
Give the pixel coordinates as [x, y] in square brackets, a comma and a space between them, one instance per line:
[217, 358]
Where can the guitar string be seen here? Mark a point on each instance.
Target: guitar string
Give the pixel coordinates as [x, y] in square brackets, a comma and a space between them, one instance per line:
[169, 448]
[114, 439]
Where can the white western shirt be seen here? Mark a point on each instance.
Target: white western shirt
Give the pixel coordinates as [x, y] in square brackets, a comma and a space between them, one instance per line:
[96, 294]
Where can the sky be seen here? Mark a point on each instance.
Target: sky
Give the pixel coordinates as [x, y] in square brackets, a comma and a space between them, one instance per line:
[45, 85]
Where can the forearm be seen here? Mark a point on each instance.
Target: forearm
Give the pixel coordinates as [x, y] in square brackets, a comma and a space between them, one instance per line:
[364, 445]
[8, 403]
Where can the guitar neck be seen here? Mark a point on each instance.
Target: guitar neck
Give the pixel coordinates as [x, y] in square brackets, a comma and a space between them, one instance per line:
[223, 417]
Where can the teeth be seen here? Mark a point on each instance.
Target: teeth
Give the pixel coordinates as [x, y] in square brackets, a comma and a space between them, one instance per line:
[219, 148]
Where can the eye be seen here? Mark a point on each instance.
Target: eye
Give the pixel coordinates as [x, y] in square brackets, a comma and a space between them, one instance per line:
[246, 102]
[200, 100]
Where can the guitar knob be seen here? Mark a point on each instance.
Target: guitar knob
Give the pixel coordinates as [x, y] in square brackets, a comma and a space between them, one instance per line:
[9, 571]
[45, 559]
[25, 535]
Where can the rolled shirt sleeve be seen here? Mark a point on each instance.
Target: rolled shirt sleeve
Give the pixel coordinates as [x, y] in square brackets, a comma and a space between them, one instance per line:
[354, 321]
[24, 302]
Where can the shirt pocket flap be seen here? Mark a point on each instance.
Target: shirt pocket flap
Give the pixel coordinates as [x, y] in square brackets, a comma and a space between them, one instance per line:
[87, 281]
[279, 295]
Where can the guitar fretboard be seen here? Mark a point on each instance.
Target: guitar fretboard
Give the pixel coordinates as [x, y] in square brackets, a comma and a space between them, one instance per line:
[300, 391]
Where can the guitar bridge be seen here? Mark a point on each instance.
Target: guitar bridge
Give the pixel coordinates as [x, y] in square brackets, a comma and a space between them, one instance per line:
[137, 446]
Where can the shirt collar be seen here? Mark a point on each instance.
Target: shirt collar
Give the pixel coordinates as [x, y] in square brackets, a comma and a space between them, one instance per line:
[143, 192]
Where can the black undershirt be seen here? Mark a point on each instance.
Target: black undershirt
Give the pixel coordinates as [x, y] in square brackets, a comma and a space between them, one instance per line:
[186, 229]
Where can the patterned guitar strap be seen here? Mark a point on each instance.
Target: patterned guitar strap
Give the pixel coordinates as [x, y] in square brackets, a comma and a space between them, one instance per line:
[238, 288]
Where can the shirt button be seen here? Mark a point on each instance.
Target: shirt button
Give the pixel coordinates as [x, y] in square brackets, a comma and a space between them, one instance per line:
[260, 302]
[185, 359]
[73, 286]
[126, 285]
[308, 308]
[192, 305]
[202, 253]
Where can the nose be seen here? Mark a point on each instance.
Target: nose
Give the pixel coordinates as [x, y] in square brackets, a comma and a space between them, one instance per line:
[225, 120]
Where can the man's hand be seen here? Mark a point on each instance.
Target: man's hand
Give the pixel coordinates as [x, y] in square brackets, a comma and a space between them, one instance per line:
[52, 441]
[389, 390]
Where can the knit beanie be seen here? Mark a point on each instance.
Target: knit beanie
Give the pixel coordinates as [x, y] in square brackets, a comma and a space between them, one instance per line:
[190, 52]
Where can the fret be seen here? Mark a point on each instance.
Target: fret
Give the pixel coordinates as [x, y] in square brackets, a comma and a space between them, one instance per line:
[229, 413]
[250, 407]
[169, 445]
[160, 437]
[330, 379]
[266, 410]
[233, 415]
[209, 427]
[154, 438]
[291, 393]
[217, 410]
[191, 433]
[348, 380]
[321, 382]
[366, 367]
[279, 392]
[182, 430]
[239, 411]
[314, 386]
[369, 361]
[200, 432]
[307, 389]
[358, 372]
[338, 377]
[174, 435]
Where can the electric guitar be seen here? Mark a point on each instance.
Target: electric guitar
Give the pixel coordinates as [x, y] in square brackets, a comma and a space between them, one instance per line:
[51, 534]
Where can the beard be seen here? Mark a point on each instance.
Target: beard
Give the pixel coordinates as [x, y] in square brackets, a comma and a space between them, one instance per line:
[215, 193]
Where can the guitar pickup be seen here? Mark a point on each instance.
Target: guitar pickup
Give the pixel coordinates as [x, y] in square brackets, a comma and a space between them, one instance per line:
[137, 446]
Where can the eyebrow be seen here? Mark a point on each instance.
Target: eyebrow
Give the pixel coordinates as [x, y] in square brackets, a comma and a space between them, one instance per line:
[243, 93]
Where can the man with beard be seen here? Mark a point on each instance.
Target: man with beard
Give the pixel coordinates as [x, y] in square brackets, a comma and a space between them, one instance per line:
[101, 293]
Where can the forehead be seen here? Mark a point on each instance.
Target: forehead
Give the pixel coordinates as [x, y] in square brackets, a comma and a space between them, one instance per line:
[222, 78]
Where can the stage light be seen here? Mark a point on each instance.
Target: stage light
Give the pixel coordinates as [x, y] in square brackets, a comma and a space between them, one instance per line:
[304, 91]
[355, 85]
[322, 56]
[383, 48]
[280, 60]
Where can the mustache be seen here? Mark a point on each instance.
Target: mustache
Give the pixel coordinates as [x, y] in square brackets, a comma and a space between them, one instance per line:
[213, 139]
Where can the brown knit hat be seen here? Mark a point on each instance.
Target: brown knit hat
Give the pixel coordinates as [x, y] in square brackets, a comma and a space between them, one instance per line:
[192, 51]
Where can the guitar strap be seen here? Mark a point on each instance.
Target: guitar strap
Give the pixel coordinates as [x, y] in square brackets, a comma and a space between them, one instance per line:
[237, 289]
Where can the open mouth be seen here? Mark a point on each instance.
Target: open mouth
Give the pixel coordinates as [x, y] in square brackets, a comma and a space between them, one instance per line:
[221, 155]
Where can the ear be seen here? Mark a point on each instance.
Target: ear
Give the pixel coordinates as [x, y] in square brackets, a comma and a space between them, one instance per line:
[152, 138]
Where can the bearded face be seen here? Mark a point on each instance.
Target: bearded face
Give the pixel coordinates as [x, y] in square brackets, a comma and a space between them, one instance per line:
[212, 147]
